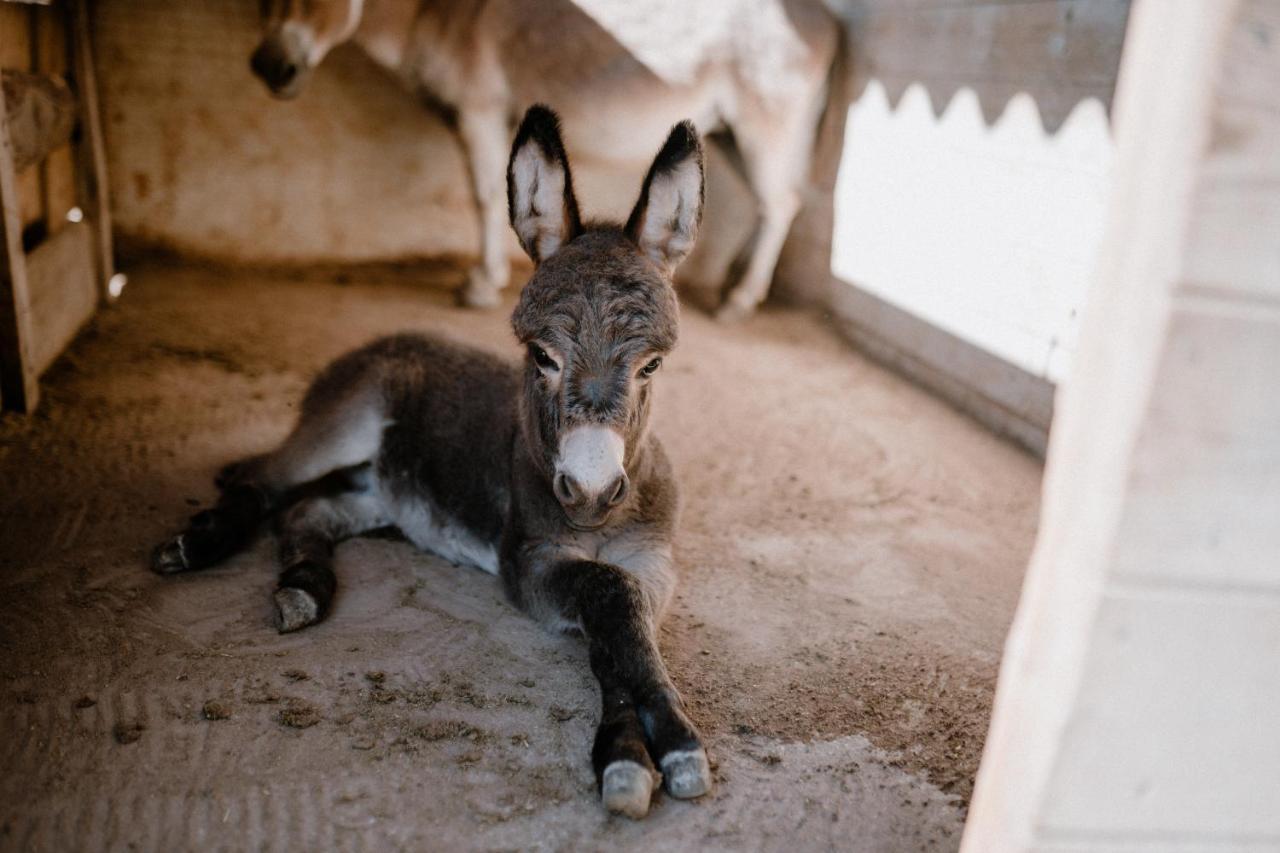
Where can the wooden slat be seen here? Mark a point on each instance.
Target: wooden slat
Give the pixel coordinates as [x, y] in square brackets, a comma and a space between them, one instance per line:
[94, 199]
[15, 36]
[63, 293]
[18, 388]
[59, 180]
[57, 172]
[1057, 51]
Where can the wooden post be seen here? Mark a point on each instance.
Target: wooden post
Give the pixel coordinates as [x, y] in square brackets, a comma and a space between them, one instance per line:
[93, 191]
[19, 390]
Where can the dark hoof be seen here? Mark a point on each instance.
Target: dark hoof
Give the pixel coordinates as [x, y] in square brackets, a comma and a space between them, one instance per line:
[295, 608]
[626, 787]
[170, 557]
[686, 773]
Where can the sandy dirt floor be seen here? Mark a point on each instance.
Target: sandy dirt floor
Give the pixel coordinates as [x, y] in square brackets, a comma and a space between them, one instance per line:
[851, 552]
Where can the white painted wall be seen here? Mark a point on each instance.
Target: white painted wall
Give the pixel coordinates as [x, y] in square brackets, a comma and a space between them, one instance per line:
[989, 232]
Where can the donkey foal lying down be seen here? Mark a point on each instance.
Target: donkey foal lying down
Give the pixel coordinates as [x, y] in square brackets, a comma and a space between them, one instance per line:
[544, 474]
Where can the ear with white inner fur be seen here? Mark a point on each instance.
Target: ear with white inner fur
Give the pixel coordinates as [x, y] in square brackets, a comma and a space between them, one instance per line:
[665, 220]
[540, 200]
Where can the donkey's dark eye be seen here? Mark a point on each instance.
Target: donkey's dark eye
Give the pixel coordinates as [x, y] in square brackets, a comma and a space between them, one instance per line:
[541, 358]
[651, 368]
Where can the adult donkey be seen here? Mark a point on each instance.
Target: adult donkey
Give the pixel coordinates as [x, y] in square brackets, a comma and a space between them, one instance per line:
[757, 68]
[545, 474]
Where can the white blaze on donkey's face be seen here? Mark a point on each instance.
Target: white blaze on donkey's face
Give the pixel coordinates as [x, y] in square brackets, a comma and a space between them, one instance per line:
[590, 479]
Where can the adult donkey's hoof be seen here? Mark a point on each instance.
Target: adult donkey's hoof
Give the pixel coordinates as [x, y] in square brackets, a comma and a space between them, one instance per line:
[687, 773]
[479, 291]
[733, 311]
[295, 609]
[626, 788]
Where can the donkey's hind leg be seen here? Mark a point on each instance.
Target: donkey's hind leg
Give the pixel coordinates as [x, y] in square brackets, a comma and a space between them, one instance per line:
[335, 432]
[215, 534]
[309, 531]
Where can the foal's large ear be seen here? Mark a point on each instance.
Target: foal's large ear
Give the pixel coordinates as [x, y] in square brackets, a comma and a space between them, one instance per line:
[665, 220]
[540, 200]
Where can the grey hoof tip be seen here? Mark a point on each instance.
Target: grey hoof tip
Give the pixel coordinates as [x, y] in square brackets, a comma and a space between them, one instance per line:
[295, 609]
[169, 557]
[687, 773]
[626, 788]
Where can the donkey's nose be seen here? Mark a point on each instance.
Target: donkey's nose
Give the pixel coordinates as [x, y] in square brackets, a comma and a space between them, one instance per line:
[617, 493]
[566, 489]
[271, 63]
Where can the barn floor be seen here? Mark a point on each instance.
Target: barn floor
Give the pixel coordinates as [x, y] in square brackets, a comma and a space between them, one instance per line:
[851, 554]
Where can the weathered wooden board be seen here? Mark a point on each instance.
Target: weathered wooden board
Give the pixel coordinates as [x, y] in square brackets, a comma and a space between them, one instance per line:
[15, 36]
[93, 190]
[1057, 51]
[18, 387]
[63, 293]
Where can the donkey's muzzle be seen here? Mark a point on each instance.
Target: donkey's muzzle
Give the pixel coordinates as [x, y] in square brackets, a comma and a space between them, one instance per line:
[587, 510]
[590, 479]
[275, 65]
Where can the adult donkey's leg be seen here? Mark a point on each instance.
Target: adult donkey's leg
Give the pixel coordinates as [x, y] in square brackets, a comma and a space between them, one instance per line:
[614, 613]
[335, 433]
[776, 152]
[485, 142]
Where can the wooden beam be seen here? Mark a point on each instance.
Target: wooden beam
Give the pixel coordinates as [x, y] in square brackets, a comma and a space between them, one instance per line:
[19, 390]
[94, 198]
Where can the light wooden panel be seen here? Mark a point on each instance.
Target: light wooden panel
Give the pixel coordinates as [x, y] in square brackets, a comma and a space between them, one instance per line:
[60, 280]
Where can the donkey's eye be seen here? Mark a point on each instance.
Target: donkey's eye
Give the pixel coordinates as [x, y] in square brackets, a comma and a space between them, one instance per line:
[541, 358]
[651, 368]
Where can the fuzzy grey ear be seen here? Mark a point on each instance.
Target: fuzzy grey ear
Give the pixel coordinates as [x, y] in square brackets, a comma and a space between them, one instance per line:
[665, 220]
[540, 200]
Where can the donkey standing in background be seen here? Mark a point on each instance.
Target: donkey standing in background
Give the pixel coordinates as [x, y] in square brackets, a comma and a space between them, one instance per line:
[758, 68]
[544, 474]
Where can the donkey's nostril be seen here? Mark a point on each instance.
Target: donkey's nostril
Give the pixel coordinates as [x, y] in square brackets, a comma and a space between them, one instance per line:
[287, 72]
[565, 489]
[619, 493]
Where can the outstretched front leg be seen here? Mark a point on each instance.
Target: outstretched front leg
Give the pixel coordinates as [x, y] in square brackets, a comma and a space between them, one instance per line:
[617, 616]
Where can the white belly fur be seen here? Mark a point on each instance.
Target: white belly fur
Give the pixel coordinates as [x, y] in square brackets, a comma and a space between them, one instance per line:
[430, 529]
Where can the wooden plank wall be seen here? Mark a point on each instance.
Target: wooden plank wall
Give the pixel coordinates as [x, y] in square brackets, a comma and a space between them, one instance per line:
[56, 267]
[1057, 51]
[35, 38]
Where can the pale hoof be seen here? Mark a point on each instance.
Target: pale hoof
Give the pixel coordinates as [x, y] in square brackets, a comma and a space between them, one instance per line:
[687, 773]
[478, 292]
[169, 557]
[626, 789]
[294, 609]
[733, 311]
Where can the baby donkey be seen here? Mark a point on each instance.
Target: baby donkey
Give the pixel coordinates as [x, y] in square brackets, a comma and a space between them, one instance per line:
[543, 473]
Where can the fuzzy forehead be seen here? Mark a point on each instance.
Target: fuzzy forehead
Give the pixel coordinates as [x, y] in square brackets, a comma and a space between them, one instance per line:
[599, 286]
